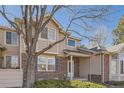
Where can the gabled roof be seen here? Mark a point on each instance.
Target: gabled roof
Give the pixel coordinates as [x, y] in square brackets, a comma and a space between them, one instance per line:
[115, 48]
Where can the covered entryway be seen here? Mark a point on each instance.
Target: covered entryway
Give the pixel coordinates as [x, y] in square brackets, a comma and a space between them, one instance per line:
[78, 65]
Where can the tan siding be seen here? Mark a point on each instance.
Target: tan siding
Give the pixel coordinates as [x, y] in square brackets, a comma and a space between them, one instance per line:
[84, 67]
[1, 37]
[42, 43]
[10, 49]
[11, 78]
[95, 65]
[62, 45]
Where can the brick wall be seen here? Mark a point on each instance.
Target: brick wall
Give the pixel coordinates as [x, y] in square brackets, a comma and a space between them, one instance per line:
[106, 67]
[95, 78]
[60, 73]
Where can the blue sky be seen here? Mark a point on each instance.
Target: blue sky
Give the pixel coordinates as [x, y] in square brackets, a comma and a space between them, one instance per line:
[62, 17]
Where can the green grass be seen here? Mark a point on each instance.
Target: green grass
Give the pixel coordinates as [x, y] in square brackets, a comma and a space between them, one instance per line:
[66, 84]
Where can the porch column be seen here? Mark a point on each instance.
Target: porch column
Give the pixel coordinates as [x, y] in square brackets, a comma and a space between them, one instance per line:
[71, 59]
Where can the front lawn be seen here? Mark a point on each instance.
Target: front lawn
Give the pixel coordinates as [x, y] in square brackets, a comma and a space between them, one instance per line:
[66, 84]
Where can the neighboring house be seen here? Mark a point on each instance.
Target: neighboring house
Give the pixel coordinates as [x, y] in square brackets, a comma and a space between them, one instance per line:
[116, 62]
[65, 60]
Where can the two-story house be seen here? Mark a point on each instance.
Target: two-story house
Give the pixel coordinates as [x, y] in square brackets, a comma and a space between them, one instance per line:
[66, 60]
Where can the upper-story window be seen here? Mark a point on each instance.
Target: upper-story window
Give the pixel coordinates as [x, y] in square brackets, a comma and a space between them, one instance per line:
[49, 34]
[44, 33]
[71, 42]
[11, 38]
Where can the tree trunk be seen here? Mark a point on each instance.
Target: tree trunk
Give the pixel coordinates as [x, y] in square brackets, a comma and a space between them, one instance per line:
[30, 72]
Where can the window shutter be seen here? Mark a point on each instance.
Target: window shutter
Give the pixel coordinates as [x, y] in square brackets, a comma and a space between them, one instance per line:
[56, 64]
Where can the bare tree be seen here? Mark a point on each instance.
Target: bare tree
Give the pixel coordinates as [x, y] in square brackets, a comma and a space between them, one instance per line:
[34, 21]
[99, 38]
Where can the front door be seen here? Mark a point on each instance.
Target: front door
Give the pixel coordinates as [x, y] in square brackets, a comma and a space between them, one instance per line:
[70, 70]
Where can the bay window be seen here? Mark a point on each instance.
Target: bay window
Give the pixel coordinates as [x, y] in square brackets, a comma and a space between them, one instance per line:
[46, 64]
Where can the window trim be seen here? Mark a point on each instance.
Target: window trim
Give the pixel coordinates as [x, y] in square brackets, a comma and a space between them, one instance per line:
[73, 40]
[47, 64]
[48, 35]
[5, 62]
[17, 44]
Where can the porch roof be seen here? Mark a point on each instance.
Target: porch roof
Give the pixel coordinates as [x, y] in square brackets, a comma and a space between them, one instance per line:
[79, 52]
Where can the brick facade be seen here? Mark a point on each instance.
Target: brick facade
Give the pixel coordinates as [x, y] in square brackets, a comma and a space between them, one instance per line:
[95, 78]
[106, 68]
[59, 73]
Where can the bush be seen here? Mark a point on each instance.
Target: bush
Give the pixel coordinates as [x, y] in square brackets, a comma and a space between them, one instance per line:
[66, 84]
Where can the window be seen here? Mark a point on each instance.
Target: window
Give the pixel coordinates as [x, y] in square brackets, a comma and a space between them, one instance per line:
[51, 64]
[42, 63]
[49, 34]
[44, 34]
[114, 66]
[11, 38]
[121, 57]
[12, 62]
[71, 42]
[46, 64]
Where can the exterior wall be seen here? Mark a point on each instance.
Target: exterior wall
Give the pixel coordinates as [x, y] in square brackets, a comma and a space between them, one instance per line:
[84, 67]
[59, 73]
[11, 78]
[95, 69]
[62, 45]
[1, 37]
[95, 65]
[106, 67]
[117, 76]
[95, 78]
[76, 66]
[42, 43]
[10, 49]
